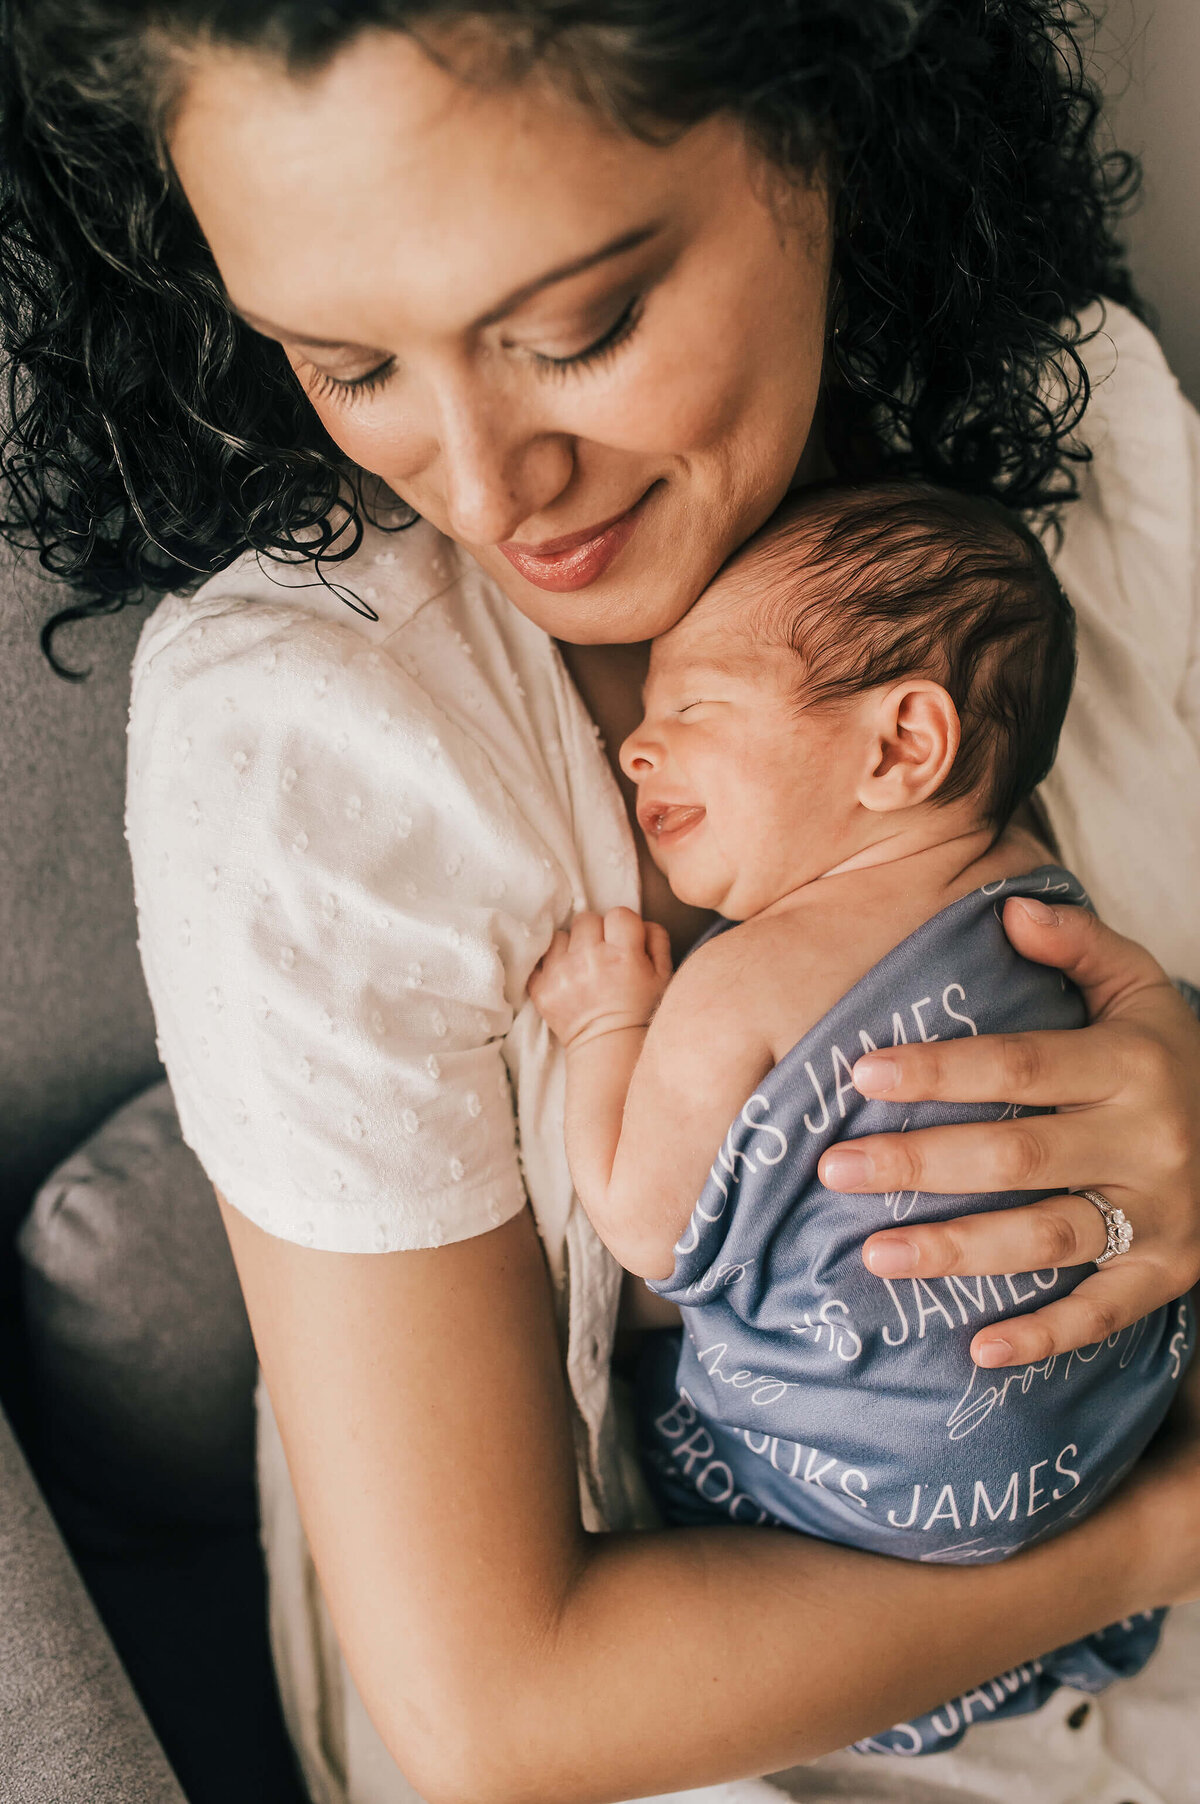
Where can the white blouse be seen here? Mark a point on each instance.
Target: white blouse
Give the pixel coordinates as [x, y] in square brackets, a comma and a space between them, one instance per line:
[352, 839]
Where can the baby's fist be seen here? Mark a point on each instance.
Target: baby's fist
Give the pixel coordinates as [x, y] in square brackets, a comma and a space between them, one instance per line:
[610, 971]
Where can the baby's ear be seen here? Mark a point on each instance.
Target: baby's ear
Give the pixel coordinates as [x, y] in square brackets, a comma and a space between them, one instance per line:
[915, 734]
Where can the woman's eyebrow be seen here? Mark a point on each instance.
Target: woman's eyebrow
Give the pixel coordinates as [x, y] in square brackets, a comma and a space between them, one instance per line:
[616, 247]
[269, 327]
[562, 272]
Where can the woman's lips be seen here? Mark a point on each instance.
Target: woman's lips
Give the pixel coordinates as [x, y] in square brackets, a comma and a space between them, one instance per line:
[573, 562]
[665, 823]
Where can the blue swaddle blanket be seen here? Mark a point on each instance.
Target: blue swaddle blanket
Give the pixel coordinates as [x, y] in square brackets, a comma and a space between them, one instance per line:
[804, 1391]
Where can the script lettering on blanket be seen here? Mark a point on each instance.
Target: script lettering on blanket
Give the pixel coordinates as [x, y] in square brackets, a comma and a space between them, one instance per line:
[831, 1328]
[1178, 1350]
[723, 1276]
[986, 1393]
[761, 1388]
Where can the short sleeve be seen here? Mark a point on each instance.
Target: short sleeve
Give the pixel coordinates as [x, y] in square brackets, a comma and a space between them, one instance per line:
[339, 905]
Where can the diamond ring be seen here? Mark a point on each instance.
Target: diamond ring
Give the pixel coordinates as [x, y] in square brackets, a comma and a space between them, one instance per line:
[1117, 1226]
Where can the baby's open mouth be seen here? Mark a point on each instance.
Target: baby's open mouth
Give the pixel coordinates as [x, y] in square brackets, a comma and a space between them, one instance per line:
[662, 820]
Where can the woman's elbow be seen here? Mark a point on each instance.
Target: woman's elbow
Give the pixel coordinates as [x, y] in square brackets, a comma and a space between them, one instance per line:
[495, 1734]
[478, 1762]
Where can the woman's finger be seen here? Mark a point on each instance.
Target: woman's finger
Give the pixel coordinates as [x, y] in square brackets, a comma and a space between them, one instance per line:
[1106, 1303]
[1107, 967]
[1046, 1070]
[1055, 1232]
[1032, 1152]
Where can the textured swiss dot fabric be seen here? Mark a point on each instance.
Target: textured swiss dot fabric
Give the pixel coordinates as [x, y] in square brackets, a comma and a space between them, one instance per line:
[342, 888]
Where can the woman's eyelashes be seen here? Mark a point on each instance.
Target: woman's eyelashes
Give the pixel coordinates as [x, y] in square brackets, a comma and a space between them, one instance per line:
[610, 340]
[324, 386]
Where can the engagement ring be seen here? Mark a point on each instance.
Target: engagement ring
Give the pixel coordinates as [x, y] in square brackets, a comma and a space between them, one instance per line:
[1116, 1225]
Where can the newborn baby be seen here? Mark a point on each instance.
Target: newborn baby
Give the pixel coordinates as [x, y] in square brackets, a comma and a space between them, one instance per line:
[835, 741]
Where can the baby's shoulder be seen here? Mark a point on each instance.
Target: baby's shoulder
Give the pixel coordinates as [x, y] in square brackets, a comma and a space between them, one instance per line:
[780, 973]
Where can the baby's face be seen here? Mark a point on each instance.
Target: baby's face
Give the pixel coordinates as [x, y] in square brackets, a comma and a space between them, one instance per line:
[744, 793]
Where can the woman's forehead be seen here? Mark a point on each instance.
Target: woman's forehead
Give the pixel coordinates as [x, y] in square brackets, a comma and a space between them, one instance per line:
[382, 178]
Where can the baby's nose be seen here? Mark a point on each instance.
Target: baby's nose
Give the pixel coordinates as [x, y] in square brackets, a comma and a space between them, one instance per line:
[639, 755]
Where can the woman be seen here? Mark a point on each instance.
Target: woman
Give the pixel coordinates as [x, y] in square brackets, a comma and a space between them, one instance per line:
[588, 287]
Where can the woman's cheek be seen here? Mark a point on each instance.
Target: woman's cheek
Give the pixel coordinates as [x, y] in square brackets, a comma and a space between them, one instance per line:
[376, 438]
[676, 401]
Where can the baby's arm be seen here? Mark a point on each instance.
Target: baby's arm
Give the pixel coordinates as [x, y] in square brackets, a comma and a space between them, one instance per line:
[648, 1104]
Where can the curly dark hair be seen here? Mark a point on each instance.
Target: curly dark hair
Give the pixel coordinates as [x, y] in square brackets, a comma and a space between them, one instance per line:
[151, 436]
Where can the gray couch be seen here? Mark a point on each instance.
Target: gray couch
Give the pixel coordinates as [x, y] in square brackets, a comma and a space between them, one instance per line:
[134, 1666]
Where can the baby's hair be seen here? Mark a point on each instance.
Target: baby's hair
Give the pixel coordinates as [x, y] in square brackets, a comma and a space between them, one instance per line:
[872, 584]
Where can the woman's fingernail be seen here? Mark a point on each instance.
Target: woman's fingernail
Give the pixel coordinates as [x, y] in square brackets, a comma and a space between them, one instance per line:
[891, 1258]
[993, 1353]
[872, 1074]
[1044, 916]
[845, 1169]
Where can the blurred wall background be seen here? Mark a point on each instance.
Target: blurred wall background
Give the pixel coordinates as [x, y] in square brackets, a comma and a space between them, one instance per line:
[1148, 58]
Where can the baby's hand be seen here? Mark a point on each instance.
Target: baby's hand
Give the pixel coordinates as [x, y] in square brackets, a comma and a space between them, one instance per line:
[609, 972]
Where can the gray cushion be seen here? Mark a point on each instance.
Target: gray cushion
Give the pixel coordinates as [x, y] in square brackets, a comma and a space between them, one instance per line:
[76, 1032]
[140, 1349]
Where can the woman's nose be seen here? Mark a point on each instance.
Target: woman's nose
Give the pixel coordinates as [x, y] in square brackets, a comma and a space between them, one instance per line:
[640, 755]
[495, 476]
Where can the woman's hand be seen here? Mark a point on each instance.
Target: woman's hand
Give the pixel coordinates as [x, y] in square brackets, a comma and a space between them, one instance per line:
[1127, 1094]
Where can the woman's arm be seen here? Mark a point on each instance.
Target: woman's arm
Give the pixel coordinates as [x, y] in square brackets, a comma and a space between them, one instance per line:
[1127, 1090]
[508, 1658]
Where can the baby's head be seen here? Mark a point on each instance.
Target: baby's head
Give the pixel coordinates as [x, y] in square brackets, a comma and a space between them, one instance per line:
[877, 669]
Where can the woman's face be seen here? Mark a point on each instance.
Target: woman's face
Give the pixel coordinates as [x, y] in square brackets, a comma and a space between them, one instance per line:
[592, 361]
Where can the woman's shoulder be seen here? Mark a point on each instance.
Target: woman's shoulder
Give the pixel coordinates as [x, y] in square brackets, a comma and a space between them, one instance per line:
[265, 716]
[1126, 549]
[340, 895]
[1135, 405]
[1122, 796]
[366, 664]
[369, 596]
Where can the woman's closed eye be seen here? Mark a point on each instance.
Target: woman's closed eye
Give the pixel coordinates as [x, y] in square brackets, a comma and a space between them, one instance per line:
[348, 388]
[610, 340]
[325, 386]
